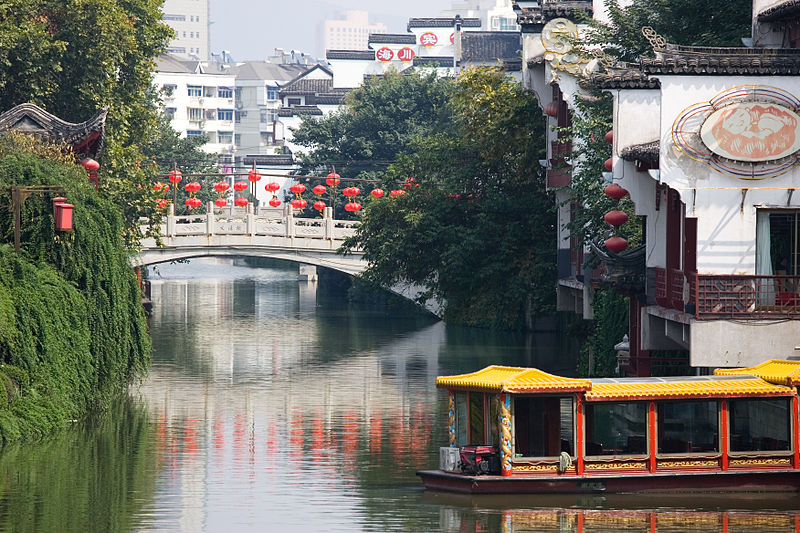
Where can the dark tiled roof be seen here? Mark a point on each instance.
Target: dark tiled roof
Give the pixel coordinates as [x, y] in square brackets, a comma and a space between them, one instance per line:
[674, 59]
[306, 86]
[786, 9]
[625, 79]
[332, 98]
[565, 9]
[431, 61]
[490, 46]
[84, 138]
[269, 159]
[442, 23]
[350, 54]
[645, 152]
[527, 16]
[393, 38]
[299, 110]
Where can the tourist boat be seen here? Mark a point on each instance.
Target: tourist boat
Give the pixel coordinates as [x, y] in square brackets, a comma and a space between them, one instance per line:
[521, 430]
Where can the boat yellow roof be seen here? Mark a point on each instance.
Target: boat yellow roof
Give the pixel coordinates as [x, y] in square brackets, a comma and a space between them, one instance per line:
[499, 379]
[777, 371]
[517, 380]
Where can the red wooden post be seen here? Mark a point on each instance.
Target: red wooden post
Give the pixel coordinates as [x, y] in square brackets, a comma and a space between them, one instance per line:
[579, 434]
[724, 431]
[651, 420]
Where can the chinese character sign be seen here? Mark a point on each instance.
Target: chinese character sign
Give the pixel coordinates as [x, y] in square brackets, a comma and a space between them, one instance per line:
[384, 54]
[453, 38]
[405, 54]
[428, 39]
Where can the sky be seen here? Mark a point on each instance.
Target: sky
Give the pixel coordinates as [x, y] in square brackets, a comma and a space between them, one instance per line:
[251, 29]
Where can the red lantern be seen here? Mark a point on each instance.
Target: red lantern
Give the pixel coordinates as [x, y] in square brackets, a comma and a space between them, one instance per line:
[319, 190]
[297, 188]
[272, 187]
[90, 165]
[161, 203]
[158, 186]
[188, 202]
[616, 218]
[319, 205]
[221, 202]
[274, 202]
[63, 216]
[352, 206]
[175, 176]
[351, 191]
[192, 186]
[609, 137]
[240, 186]
[377, 193]
[333, 179]
[616, 244]
[253, 175]
[397, 192]
[241, 202]
[409, 183]
[299, 203]
[615, 191]
[551, 109]
[197, 202]
[221, 186]
[609, 164]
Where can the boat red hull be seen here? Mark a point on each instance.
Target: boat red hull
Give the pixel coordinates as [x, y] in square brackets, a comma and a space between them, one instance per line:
[775, 481]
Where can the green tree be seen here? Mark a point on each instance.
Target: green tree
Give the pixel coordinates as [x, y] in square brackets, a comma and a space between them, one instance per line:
[475, 227]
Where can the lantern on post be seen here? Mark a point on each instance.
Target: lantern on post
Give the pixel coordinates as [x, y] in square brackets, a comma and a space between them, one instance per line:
[377, 193]
[241, 201]
[221, 202]
[320, 206]
[274, 202]
[63, 216]
[240, 186]
[397, 192]
[319, 190]
[333, 179]
[299, 203]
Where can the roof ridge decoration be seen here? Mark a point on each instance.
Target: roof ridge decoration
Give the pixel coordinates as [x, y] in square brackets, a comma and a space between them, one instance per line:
[750, 132]
[777, 371]
[558, 38]
[84, 138]
[500, 379]
[656, 41]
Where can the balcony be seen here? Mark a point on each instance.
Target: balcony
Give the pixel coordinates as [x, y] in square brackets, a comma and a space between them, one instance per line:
[748, 297]
[670, 288]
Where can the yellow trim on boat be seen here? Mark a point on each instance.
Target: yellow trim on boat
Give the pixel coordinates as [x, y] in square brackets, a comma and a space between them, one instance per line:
[777, 371]
[499, 379]
[747, 386]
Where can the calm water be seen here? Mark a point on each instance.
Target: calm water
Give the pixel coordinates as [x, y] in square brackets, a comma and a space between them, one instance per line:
[273, 407]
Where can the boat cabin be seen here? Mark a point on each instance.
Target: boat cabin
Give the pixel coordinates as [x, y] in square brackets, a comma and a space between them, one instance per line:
[622, 431]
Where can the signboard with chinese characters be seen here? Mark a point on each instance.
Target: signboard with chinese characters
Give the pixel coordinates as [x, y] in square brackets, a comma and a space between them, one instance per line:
[428, 39]
[384, 54]
[405, 54]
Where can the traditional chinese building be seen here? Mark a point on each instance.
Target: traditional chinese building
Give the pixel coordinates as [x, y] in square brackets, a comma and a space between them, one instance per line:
[84, 139]
[706, 141]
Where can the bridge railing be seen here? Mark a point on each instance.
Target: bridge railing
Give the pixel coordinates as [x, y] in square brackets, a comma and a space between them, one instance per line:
[273, 222]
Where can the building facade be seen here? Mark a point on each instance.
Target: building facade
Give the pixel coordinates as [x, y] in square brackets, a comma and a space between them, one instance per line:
[350, 33]
[495, 15]
[189, 20]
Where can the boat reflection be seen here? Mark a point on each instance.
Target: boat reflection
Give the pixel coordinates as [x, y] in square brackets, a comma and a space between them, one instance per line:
[662, 513]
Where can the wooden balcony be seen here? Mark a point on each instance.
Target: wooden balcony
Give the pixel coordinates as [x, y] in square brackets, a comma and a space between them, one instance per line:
[748, 297]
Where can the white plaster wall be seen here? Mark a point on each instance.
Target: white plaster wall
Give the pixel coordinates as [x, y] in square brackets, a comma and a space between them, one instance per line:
[726, 223]
[722, 343]
[348, 73]
[443, 46]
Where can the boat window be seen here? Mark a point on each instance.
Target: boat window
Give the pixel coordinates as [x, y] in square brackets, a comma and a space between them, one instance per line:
[760, 424]
[616, 428]
[687, 427]
[477, 424]
[543, 426]
[461, 418]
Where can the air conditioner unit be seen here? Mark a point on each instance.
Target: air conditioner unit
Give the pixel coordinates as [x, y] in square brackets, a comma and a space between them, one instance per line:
[449, 459]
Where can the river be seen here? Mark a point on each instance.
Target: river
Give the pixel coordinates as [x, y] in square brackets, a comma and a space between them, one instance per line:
[274, 406]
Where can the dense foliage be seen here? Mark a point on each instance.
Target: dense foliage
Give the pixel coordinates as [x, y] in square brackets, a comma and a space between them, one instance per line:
[72, 328]
[75, 58]
[475, 228]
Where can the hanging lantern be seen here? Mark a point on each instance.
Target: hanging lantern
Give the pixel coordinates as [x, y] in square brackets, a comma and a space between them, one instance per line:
[333, 179]
[240, 186]
[551, 109]
[616, 218]
[63, 216]
[299, 203]
[221, 202]
[241, 202]
[161, 203]
[615, 191]
[616, 244]
[272, 187]
[197, 202]
[253, 175]
[221, 186]
[409, 183]
[397, 192]
[609, 137]
[274, 202]
[319, 205]
[319, 190]
[90, 165]
[377, 193]
[609, 164]
[352, 206]
[188, 202]
[175, 176]
[192, 187]
[297, 188]
[351, 191]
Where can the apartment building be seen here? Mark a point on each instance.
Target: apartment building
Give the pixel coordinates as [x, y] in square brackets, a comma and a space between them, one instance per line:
[189, 20]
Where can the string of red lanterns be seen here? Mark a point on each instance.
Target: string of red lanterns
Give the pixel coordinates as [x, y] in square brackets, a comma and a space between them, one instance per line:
[615, 217]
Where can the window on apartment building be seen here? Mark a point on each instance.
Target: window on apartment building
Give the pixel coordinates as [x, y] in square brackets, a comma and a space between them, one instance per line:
[169, 112]
[225, 137]
[224, 92]
[194, 90]
[263, 116]
[175, 18]
[169, 89]
[238, 116]
[209, 92]
[266, 138]
[237, 139]
[211, 114]
[778, 242]
[273, 93]
[272, 115]
[176, 50]
[224, 114]
[184, 34]
[194, 113]
[194, 133]
[291, 102]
